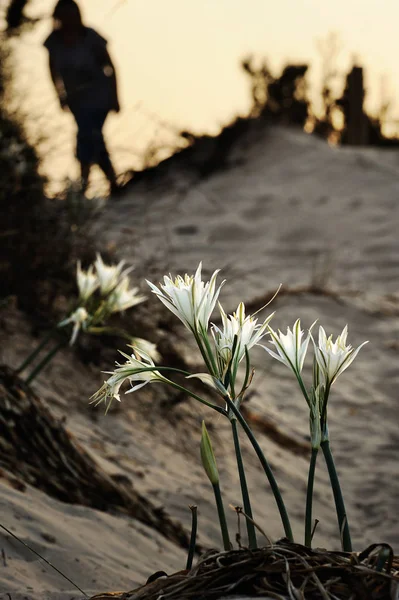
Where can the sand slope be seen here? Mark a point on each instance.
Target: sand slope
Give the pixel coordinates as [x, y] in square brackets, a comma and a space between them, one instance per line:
[286, 201]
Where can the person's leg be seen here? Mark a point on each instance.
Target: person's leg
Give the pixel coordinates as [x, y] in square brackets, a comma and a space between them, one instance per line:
[84, 176]
[84, 146]
[106, 166]
[102, 156]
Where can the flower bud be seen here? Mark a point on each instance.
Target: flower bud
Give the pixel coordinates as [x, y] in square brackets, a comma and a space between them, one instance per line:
[208, 457]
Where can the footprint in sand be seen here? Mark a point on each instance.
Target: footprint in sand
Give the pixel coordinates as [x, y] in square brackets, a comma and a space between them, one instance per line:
[356, 203]
[258, 208]
[227, 233]
[186, 230]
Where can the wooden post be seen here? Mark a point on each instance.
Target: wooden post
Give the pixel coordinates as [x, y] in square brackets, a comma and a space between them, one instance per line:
[357, 129]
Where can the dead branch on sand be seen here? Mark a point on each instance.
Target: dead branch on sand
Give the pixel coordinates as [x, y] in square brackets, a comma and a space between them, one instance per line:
[281, 571]
[36, 449]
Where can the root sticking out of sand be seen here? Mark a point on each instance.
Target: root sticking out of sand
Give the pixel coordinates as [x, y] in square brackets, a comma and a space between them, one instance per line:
[281, 571]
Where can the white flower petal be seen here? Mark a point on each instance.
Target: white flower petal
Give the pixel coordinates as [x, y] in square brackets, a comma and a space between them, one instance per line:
[80, 319]
[189, 298]
[333, 358]
[122, 298]
[238, 332]
[213, 382]
[108, 275]
[137, 387]
[291, 350]
[132, 371]
[149, 348]
[276, 356]
[87, 281]
[347, 362]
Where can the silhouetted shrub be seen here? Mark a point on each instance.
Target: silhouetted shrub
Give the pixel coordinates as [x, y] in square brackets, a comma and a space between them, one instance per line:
[15, 13]
[280, 99]
[37, 245]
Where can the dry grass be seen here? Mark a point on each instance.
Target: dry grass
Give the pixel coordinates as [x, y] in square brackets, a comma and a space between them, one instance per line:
[281, 571]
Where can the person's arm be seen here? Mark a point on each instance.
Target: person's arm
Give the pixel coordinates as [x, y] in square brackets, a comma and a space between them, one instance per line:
[58, 84]
[109, 70]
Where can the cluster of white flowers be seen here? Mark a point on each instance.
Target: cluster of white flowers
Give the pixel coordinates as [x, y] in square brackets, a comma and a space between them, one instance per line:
[112, 281]
[226, 345]
[330, 360]
[138, 367]
[103, 290]
[238, 332]
[193, 302]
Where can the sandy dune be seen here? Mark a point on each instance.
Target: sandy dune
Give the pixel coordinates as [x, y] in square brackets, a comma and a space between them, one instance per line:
[286, 203]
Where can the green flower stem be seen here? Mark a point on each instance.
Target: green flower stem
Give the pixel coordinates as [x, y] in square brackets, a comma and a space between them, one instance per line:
[193, 537]
[234, 377]
[303, 390]
[45, 361]
[222, 517]
[208, 360]
[111, 331]
[266, 468]
[232, 387]
[247, 374]
[338, 498]
[145, 369]
[214, 370]
[309, 498]
[323, 415]
[244, 487]
[36, 351]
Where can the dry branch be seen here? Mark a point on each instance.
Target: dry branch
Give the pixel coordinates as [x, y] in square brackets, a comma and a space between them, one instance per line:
[35, 448]
[282, 571]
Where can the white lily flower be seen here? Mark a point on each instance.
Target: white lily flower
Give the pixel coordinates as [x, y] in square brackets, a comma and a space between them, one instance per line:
[246, 329]
[80, 318]
[108, 275]
[291, 350]
[334, 357]
[147, 347]
[122, 298]
[189, 298]
[87, 281]
[131, 370]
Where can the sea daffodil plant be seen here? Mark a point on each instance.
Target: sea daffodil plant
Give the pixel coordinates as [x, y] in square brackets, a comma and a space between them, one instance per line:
[224, 345]
[239, 333]
[103, 290]
[192, 301]
[330, 360]
[223, 348]
[138, 367]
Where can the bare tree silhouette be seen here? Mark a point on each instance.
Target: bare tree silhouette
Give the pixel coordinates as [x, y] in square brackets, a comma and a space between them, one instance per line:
[283, 99]
[15, 13]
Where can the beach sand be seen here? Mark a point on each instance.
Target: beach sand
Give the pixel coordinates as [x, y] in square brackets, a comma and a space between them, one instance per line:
[287, 209]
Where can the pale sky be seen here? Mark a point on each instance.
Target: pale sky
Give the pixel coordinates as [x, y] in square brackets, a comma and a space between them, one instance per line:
[182, 56]
[179, 59]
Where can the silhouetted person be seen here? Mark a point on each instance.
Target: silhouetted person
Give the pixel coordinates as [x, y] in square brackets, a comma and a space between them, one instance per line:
[85, 81]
